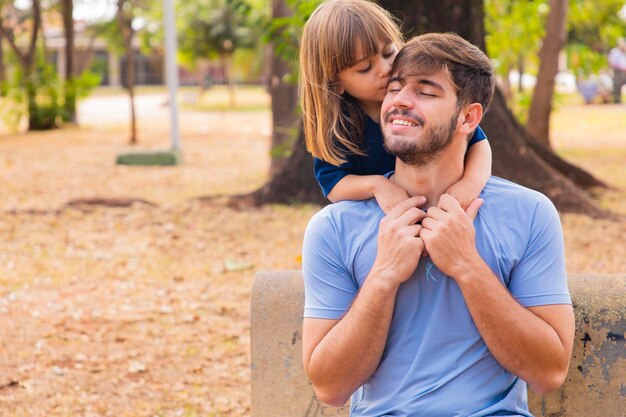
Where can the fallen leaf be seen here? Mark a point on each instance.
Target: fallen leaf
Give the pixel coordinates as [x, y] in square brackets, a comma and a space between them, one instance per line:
[232, 265]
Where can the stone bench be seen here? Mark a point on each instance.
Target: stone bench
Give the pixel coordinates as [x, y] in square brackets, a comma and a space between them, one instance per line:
[595, 385]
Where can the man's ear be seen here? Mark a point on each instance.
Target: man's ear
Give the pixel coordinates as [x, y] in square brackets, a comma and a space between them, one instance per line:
[470, 116]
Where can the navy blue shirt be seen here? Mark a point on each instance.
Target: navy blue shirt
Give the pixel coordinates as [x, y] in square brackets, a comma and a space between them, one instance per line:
[376, 160]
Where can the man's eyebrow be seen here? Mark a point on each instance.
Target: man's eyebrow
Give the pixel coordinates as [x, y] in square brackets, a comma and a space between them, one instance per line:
[431, 83]
[424, 81]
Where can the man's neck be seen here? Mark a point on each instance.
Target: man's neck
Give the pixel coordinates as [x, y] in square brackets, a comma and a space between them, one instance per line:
[432, 180]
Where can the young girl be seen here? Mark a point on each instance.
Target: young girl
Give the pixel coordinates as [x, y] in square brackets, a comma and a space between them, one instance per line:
[346, 53]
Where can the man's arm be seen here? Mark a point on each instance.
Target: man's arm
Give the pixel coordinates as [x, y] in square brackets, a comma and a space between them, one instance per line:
[341, 355]
[534, 343]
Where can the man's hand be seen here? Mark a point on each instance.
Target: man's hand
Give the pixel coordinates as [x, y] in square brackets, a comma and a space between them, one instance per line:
[449, 235]
[399, 244]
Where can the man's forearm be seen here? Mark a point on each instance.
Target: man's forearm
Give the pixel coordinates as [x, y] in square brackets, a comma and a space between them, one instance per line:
[351, 351]
[521, 341]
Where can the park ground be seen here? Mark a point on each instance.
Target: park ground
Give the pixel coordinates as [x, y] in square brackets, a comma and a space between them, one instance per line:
[143, 309]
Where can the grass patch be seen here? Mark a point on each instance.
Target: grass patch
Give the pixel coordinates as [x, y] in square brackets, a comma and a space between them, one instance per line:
[217, 99]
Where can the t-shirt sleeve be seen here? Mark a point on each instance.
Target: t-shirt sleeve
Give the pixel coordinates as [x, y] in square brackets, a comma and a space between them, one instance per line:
[329, 288]
[479, 134]
[540, 277]
[328, 175]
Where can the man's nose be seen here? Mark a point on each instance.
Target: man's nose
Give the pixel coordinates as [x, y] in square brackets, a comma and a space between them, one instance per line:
[402, 99]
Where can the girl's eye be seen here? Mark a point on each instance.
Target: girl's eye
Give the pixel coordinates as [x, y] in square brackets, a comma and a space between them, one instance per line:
[388, 54]
[427, 95]
[364, 70]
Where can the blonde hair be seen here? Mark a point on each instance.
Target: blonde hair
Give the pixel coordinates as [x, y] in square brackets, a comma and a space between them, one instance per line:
[334, 124]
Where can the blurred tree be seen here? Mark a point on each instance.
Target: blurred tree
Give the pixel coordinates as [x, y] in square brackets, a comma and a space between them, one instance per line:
[125, 16]
[291, 171]
[216, 28]
[283, 91]
[538, 123]
[513, 35]
[27, 22]
[2, 63]
[516, 156]
[593, 28]
[70, 82]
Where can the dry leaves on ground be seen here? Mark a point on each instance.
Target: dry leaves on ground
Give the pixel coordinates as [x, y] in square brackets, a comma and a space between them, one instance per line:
[144, 310]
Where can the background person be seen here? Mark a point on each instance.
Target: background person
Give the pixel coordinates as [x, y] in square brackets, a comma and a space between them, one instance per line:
[617, 62]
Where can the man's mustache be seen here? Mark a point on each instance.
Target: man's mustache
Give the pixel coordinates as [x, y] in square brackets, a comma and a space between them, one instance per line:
[405, 113]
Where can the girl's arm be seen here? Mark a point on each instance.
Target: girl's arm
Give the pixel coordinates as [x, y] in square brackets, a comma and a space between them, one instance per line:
[339, 183]
[476, 175]
[364, 187]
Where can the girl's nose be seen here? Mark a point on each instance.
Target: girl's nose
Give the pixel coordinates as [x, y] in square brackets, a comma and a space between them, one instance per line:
[384, 67]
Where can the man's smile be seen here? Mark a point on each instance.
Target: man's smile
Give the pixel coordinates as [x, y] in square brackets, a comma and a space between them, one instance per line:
[403, 122]
[404, 118]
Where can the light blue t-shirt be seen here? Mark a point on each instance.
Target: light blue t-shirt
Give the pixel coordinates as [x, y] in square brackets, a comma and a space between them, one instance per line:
[435, 362]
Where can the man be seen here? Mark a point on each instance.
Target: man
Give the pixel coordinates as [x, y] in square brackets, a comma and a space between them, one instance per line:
[617, 61]
[445, 312]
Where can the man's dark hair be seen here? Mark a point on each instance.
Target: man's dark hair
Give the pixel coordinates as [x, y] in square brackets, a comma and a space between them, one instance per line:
[469, 68]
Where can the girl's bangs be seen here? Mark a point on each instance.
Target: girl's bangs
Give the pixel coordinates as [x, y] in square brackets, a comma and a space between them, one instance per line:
[366, 33]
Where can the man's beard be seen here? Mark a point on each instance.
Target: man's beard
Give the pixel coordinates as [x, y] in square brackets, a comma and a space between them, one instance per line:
[434, 140]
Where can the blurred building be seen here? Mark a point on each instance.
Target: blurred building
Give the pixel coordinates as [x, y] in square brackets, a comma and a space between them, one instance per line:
[93, 53]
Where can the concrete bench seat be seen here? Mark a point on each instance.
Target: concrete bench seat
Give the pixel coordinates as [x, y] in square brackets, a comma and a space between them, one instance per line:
[595, 385]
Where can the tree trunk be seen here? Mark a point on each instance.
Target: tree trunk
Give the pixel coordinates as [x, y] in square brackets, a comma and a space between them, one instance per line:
[70, 87]
[3, 77]
[125, 22]
[514, 158]
[521, 68]
[420, 16]
[284, 101]
[538, 124]
[230, 81]
[507, 89]
[27, 61]
[130, 79]
[293, 182]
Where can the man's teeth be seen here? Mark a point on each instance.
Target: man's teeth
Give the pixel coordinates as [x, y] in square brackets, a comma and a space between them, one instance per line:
[403, 122]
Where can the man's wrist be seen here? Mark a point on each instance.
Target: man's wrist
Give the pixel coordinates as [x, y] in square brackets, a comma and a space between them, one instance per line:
[468, 271]
[383, 280]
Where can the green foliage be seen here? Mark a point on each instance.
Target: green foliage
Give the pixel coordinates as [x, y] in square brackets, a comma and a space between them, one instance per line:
[39, 97]
[214, 28]
[36, 97]
[593, 29]
[514, 32]
[284, 32]
[515, 29]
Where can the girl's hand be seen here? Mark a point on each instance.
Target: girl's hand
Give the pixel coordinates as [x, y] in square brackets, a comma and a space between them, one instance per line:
[465, 191]
[399, 244]
[388, 194]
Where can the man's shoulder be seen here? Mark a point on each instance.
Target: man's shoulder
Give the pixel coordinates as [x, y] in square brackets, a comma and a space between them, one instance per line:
[508, 202]
[343, 228]
[346, 215]
[509, 192]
